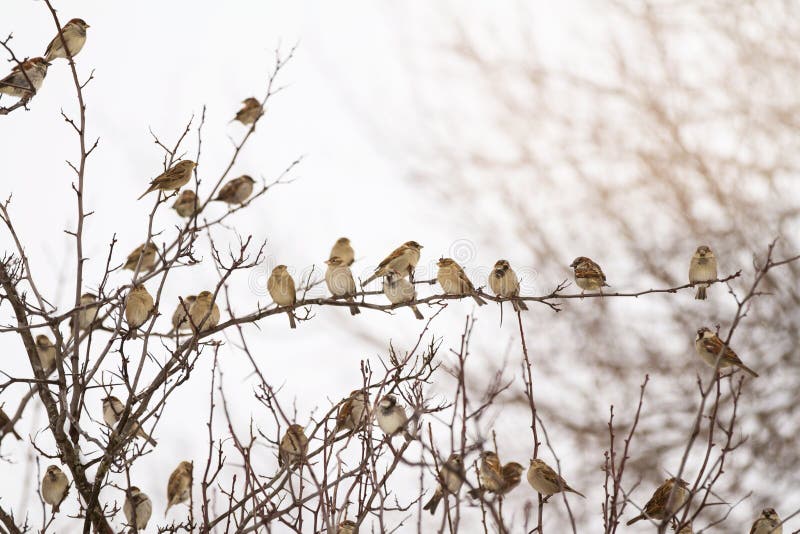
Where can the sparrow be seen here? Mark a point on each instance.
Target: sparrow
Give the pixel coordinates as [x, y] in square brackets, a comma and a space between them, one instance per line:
[179, 487]
[18, 85]
[173, 179]
[4, 421]
[347, 527]
[139, 307]
[199, 312]
[148, 252]
[55, 487]
[451, 477]
[293, 447]
[400, 290]
[392, 417]
[281, 288]
[454, 280]
[136, 500]
[236, 191]
[343, 250]
[339, 280]
[250, 112]
[74, 33]
[186, 204]
[88, 315]
[402, 260]
[47, 353]
[702, 268]
[656, 507]
[504, 283]
[496, 478]
[179, 317]
[353, 412]
[112, 413]
[709, 346]
[588, 275]
[767, 523]
[546, 481]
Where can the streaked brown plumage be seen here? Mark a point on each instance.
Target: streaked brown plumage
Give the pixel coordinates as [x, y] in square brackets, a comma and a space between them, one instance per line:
[148, 252]
[588, 274]
[546, 481]
[400, 290]
[18, 82]
[250, 112]
[709, 346]
[353, 412]
[179, 486]
[281, 288]
[236, 191]
[180, 315]
[74, 33]
[503, 282]
[173, 178]
[454, 280]
[47, 353]
[55, 487]
[343, 250]
[403, 260]
[293, 446]
[204, 313]
[139, 502]
[702, 268]
[657, 507]
[340, 282]
[451, 477]
[139, 307]
[113, 408]
[186, 204]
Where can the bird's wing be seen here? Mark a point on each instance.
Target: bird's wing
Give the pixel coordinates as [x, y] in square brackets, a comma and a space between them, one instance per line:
[228, 190]
[714, 345]
[399, 251]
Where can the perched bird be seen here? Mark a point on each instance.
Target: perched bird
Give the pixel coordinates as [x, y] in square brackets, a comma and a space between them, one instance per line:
[179, 487]
[236, 191]
[112, 413]
[400, 290]
[173, 179]
[139, 307]
[181, 313]
[353, 412]
[657, 507]
[250, 112]
[47, 353]
[205, 311]
[74, 33]
[504, 283]
[88, 313]
[490, 475]
[347, 527]
[767, 523]
[148, 252]
[293, 447]
[186, 205]
[454, 280]
[344, 251]
[710, 347]
[281, 288]
[392, 417]
[546, 481]
[512, 474]
[702, 268]
[339, 280]
[588, 275]
[18, 82]
[5, 426]
[402, 260]
[451, 477]
[55, 487]
[140, 502]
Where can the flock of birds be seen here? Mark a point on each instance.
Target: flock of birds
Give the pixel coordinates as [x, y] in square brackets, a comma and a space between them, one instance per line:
[199, 313]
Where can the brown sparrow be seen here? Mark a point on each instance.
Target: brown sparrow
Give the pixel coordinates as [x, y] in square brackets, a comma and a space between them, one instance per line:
[347, 527]
[204, 310]
[402, 260]
[546, 481]
[588, 275]
[47, 353]
[74, 33]
[88, 314]
[179, 487]
[281, 288]
[18, 85]
[139, 307]
[496, 478]
[293, 447]
[504, 283]
[148, 252]
[709, 346]
[767, 523]
[55, 487]
[657, 507]
[339, 280]
[179, 317]
[400, 290]
[392, 417]
[112, 413]
[140, 502]
[4, 422]
[454, 280]
[250, 112]
[702, 268]
[343, 250]
[173, 179]
[236, 191]
[451, 477]
[354, 412]
[186, 205]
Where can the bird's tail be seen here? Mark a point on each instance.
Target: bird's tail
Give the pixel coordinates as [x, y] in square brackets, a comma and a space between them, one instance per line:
[354, 309]
[145, 193]
[370, 279]
[478, 300]
[635, 519]
[433, 503]
[576, 492]
[417, 313]
[292, 322]
[701, 293]
[747, 369]
[519, 305]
